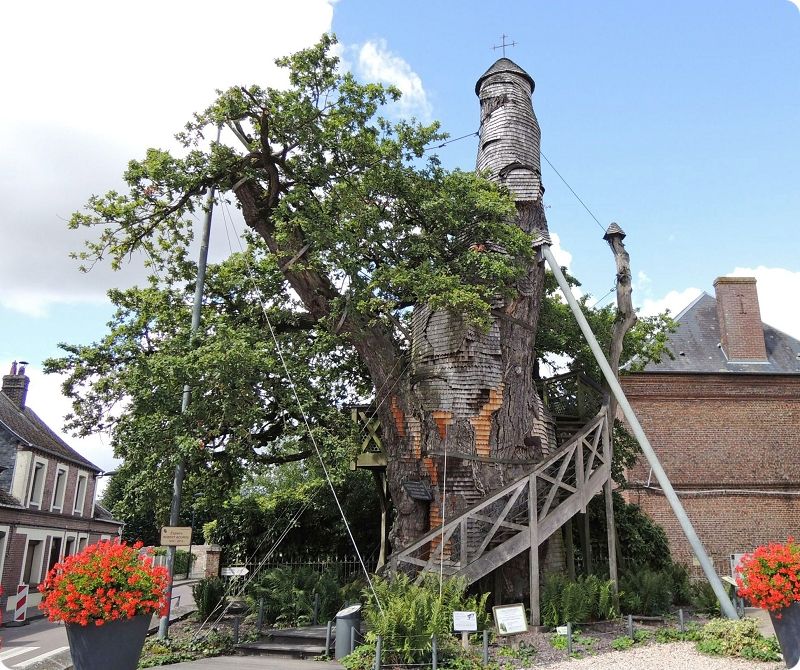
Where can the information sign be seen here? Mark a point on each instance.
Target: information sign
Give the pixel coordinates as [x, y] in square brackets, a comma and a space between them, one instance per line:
[235, 571]
[465, 621]
[176, 536]
[510, 619]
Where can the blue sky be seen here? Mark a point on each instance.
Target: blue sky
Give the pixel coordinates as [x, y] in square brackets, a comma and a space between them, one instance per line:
[677, 120]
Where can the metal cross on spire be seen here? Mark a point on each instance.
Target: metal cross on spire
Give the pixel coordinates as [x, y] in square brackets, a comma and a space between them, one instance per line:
[504, 45]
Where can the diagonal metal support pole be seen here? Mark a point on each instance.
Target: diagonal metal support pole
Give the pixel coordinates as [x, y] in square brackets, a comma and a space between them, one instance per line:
[688, 530]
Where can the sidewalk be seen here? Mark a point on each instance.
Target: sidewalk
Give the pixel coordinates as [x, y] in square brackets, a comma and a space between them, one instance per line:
[255, 663]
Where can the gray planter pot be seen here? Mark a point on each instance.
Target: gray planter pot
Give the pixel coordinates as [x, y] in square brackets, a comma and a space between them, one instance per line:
[787, 630]
[116, 644]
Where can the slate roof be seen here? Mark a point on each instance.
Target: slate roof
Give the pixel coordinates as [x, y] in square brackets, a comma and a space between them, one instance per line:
[102, 514]
[34, 433]
[503, 65]
[7, 500]
[695, 346]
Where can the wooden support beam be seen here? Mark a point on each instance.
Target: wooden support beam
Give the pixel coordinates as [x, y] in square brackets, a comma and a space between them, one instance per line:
[611, 530]
[533, 551]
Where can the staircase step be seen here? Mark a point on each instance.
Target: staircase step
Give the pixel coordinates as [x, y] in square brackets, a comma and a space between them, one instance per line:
[284, 650]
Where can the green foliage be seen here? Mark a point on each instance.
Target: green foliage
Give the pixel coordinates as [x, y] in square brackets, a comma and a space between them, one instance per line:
[525, 653]
[182, 559]
[209, 596]
[159, 651]
[288, 595]
[412, 613]
[362, 658]
[726, 637]
[703, 598]
[559, 335]
[622, 643]
[586, 599]
[646, 592]
[251, 521]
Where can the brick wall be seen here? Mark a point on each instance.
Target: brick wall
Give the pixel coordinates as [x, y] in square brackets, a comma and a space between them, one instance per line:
[726, 523]
[729, 444]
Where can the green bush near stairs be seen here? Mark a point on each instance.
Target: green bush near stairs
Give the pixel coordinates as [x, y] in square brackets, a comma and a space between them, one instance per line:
[409, 614]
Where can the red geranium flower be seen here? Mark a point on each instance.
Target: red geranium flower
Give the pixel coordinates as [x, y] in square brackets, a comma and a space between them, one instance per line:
[770, 576]
[106, 581]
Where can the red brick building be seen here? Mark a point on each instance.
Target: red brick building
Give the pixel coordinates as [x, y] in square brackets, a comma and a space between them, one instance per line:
[724, 419]
[47, 496]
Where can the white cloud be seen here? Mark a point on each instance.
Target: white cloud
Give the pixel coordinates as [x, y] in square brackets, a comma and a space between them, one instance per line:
[674, 301]
[796, 3]
[92, 85]
[377, 63]
[563, 256]
[778, 291]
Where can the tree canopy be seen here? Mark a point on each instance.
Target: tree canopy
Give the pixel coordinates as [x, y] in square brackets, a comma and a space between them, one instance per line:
[350, 222]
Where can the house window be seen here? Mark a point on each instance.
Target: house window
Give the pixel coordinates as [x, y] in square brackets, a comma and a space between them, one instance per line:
[69, 546]
[33, 562]
[37, 483]
[55, 552]
[59, 488]
[82, 543]
[80, 496]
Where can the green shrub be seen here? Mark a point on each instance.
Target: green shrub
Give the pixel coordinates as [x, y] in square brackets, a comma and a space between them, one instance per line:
[703, 598]
[622, 643]
[411, 613]
[289, 594]
[182, 562]
[725, 637]
[209, 596]
[585, 599]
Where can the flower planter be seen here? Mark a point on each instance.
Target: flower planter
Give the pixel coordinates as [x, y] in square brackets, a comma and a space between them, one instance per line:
[116, 644]
[787, 630]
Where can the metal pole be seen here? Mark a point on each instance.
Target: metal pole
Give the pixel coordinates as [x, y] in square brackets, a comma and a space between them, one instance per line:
[688, 530]
[328, 639]
[260, 620]
[352, 639]
[630, 626]
[180, 466]
[378, 653]
[681, 621]
[485, 647]
[569, 639]
[434, 654]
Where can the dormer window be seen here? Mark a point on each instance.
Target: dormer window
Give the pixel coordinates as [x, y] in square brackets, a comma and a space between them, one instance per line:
[37, 483]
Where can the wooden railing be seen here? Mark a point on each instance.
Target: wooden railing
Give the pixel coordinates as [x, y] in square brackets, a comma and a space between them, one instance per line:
[520, 515]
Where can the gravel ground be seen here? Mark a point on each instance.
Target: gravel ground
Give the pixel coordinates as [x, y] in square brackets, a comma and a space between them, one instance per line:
[672, 656]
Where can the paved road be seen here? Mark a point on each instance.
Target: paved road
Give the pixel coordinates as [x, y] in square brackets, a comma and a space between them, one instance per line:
[41, 644]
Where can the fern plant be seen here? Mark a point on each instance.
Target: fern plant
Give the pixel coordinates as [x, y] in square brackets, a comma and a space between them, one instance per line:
[409, 614]
[585, 599]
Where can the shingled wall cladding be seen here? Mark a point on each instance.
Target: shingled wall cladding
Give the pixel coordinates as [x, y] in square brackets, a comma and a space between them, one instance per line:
[509, 135]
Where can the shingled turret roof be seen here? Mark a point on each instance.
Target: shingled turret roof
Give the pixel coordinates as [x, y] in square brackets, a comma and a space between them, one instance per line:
[504, 65]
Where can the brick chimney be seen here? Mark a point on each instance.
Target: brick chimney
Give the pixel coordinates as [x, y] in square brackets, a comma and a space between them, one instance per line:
[15, 384]
[739, 318]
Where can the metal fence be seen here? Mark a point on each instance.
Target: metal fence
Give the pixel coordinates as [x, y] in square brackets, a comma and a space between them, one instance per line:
[345, 568]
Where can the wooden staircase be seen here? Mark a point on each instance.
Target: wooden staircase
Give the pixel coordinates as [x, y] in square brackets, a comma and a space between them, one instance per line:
[519, 516]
